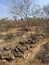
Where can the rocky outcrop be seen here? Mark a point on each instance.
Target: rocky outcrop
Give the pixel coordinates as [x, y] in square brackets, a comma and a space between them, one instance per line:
[20, 49]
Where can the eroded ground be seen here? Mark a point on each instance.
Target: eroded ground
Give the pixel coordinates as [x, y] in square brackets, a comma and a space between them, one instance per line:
[23, 47]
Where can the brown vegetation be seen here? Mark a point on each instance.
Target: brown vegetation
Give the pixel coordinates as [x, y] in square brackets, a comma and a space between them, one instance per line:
[26, 45]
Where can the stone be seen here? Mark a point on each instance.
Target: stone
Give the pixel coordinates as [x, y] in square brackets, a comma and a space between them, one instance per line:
[7, 55]
[20, 48]
[17, 54]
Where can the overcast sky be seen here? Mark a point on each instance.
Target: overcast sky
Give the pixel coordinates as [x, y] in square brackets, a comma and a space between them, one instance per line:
[5, 3]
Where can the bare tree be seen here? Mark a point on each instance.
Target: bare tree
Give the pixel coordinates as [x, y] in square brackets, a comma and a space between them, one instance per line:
[36, 10]
[46, 10]
[15, 18]
[21, 8]
[36, 13]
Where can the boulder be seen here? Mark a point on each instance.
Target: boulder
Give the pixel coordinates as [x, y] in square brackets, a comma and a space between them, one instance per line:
[7, 55]
[17, 54]
[20, 48]
[7, 48]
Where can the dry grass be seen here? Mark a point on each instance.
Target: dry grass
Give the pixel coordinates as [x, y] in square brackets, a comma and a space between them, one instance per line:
[12, 32]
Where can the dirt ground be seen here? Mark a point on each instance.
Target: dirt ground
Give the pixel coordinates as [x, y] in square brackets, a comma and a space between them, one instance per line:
[13, 36]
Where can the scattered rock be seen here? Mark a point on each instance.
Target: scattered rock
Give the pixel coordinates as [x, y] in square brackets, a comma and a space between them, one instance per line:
[9, 53]
[17, 54]
[7, 48]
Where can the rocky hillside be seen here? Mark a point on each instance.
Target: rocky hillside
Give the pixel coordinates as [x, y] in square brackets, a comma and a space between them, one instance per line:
[22, 45]
[26, 51]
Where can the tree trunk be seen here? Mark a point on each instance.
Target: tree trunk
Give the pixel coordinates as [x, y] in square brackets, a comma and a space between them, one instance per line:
[27, 21]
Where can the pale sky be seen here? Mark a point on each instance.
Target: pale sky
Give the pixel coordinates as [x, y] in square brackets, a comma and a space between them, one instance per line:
[4, 12]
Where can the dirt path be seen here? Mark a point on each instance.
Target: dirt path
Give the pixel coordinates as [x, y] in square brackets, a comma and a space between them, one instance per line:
[36, 49]
[9, 31]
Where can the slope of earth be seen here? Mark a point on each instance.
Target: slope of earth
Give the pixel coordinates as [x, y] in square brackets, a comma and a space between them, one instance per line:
[29, 54]
[21, 46]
